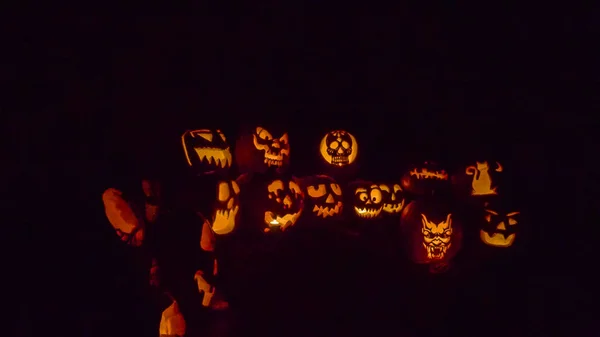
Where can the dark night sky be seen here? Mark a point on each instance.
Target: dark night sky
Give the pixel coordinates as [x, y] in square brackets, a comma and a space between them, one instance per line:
[92, 90]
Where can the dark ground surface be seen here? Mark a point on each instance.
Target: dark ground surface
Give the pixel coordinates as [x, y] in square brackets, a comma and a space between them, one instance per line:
[95, 93]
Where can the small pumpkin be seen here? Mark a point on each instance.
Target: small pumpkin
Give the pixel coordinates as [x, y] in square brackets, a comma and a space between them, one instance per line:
[367, 199]
[424, 179]
[393, 198]
[206, 151]
[339, 148]
[323, 196]
[259, 150]
[480, 178]
[500, 225]
[227, 207]
[431, 231]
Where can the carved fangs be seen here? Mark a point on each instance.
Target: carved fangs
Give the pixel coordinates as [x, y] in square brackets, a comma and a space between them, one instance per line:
[426, 174]
[393, 208]
[367, 213]
[325, 211]
[224, 221]
[436, 252]
[281, 221]
[217, 157]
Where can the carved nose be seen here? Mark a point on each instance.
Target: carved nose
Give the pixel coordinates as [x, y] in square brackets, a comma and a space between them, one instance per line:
[276, 145]
[330, 199]
[287, 202]
[393, 197]
[340, 150]
[368, 202]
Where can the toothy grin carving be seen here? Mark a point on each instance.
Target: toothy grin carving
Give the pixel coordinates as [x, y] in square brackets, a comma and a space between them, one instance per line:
[426, 174]
[340, 160]
[281, 221]
[214, 156]
[367, 213]
[325, 211]
[393, 208]
[273, 159]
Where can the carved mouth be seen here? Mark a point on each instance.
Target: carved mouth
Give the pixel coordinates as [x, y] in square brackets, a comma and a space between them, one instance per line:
[426, 174]
[340, 160]
[224, 221]
[393, 208]
[215, 157]
[325, 211]
[272, 159]
[497, 239]
[436, 252]
[367, 213]
[281, 222]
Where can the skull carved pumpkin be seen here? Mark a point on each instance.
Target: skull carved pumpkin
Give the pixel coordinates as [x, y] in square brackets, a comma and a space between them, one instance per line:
[286, 203]
[424, 179]
[367, 200]
[393, 198]
[500, 225]
[206, 151]
[260, 150]
[226, 208]
[324, 196]
[432, 231]
[339, 148]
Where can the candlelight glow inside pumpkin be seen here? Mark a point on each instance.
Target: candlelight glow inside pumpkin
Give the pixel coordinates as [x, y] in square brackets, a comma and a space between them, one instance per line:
[339, 148]
[274, 148]
[393, 201]
[206, 149]
[437, 237]
[424, 179]
[287, 203]
[482, 181]
[500, 229]
[368, 201]
[326, 195]
[227, 208]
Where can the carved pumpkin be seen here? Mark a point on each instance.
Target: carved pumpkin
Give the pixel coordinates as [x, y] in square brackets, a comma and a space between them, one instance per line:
[393, 198]
[226, 208]
[323, 196]
[172, 322]
[479, 179]
[339, 148]
[206, 151]
[259, 150]
[286, 203]
[367, 199]
[500, 224]
[432, 232]
[424, 179]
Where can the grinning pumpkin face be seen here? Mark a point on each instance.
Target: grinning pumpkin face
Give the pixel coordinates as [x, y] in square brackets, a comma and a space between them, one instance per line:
[206, 150]
[226, 208]
[424, 179]
[499, 227]
[368, 201]
[339, 148]
[324, 196]
[286, 202]
[393, 200]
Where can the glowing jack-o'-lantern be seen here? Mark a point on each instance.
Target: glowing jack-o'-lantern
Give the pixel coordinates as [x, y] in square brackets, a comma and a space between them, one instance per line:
[206, 150]
[500, 226]
[260, 150]
[226, 208]
[339, 148]
[324, 196]
[433, 232]
[285, 206]
[393, 199]
[368, 200]
[424, 179]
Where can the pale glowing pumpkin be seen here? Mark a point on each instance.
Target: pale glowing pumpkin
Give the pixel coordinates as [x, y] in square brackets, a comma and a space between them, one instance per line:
[339, 148]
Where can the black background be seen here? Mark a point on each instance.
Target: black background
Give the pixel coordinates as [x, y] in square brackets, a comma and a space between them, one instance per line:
[93, 95]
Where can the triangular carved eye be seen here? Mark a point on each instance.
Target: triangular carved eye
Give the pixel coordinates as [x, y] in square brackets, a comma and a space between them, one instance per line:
[206, 135]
